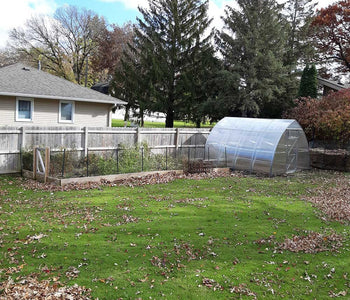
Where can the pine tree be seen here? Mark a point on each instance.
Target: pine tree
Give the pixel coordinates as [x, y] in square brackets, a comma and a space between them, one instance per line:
[253, 46]
[171, 39]
[299, 15]
[308, 82]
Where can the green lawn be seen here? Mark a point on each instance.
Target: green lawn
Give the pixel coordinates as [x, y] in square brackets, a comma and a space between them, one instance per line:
[177, 124]
[188, 239]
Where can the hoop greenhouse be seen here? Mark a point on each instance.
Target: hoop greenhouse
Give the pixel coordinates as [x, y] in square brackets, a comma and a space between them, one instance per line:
[270, 146]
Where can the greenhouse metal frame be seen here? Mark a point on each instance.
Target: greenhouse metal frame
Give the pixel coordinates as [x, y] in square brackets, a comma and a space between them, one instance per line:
[269, 146]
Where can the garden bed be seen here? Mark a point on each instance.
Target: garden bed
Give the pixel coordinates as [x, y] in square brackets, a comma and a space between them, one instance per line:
[124, 178]
[338, 160]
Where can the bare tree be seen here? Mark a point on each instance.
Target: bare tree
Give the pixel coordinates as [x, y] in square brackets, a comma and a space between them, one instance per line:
[62, 43]
[9, 57]
[112, 44]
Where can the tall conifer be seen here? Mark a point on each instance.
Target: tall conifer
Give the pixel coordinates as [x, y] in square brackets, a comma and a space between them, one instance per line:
[171, 38]
[253, 46]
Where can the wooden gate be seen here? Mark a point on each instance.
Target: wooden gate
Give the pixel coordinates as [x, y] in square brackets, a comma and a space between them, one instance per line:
[41, 167]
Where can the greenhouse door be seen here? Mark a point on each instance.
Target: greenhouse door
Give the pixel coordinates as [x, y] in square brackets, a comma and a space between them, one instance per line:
[292, 151]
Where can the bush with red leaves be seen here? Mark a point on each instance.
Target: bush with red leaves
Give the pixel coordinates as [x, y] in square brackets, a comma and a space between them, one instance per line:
[324, 119]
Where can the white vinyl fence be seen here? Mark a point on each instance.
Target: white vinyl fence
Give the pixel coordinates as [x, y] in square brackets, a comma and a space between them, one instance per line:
[13, 140]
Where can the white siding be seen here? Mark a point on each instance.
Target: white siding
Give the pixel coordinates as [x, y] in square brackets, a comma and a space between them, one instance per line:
[46, 113]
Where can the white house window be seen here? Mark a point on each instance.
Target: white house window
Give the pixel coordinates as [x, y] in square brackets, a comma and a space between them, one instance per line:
[24, 109]
[66, 111]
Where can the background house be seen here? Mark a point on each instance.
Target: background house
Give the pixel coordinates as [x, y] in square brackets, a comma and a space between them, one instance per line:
[331, 85]
[32, 97]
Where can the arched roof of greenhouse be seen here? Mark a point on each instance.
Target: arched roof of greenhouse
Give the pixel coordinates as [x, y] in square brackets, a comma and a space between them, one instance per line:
[259, 145]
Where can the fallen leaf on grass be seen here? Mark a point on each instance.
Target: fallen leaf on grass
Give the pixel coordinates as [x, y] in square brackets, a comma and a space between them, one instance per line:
[210, 283]
[339, 294]
[72, 272]
[313, 243]
[242, 289]
[31, 288]
[334, 202]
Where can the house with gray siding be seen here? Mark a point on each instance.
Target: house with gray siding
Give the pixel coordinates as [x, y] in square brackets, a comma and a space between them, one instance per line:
[29, 96]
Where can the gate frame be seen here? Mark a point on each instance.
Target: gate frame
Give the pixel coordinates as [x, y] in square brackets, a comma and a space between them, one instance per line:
[38, 159]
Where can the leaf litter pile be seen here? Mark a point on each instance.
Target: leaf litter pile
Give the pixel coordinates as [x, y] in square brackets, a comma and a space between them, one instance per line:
[130, 182]
[314, 242]
[30, 288]
[334, 201]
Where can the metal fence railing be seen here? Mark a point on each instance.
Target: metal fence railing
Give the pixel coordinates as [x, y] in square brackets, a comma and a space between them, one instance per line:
[69, 163]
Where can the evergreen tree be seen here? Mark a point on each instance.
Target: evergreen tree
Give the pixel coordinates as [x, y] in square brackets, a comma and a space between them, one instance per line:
[308, 82]
[132, 82]
[253, 46]
[172, 39]
[299, 15]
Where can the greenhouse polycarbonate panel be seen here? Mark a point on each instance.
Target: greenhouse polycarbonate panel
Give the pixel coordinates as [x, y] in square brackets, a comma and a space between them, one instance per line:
[259, 145]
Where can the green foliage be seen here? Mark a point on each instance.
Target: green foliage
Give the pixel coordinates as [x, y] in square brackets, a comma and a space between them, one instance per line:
[128, 159]
[298, 16]
[189, 239]
[223, 95]
[177, 124]
[326, 119]
[308, 82]
[165, 67]
[27, 159]
[253, 47]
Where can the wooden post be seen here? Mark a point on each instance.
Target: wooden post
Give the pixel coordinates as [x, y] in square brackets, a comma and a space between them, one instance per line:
[177, 139]
[23, 139]
[138, 135]
[86, 140]
[34, 161]
[47, 163]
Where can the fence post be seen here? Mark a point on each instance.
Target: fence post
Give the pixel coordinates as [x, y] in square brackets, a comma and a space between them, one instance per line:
[87, 162]
[63, 161]
[117, 152]
[189, 157]
[47, 163]
[23, 141]
[86, 140]
[137, 135]
[177, 139]
[34, 161]
[21, 160]
[141, 159]
[166, 158]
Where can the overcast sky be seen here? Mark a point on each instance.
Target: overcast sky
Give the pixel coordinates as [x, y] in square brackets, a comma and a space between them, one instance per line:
[13, 13]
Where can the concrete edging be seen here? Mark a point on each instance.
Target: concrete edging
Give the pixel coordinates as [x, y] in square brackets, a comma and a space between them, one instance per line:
[111, 178]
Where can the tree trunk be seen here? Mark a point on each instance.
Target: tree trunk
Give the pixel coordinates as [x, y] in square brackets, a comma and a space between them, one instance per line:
[169, 121]
[142, 120]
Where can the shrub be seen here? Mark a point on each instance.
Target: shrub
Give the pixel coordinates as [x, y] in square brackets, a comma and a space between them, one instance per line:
[27, 159]
[327, 119]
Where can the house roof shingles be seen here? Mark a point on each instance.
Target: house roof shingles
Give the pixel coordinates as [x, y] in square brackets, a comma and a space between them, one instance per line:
[332, 84]
[23, 81]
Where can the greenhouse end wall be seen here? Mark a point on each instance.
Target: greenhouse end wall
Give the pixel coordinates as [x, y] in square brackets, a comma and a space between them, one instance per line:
[270, 146]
